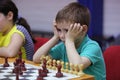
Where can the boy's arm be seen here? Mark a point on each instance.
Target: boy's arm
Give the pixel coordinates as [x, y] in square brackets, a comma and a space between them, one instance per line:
[44, 49]
[12, 49]
[76, 32]
[74, 56]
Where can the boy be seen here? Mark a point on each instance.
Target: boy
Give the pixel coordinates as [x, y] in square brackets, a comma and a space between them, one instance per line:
[71, 26]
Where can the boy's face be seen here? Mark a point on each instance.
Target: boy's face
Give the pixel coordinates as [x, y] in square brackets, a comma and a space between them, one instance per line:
[62, 29]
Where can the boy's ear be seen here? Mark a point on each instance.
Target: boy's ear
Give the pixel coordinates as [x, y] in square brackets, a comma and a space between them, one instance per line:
[54, 23]
[10, 15]
[85, 28]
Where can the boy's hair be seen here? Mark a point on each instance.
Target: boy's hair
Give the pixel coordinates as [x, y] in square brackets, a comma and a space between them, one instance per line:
[74, 13]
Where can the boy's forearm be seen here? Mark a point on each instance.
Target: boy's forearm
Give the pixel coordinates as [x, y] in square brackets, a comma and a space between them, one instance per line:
[43, 50]
[74, 56]
[72, 53]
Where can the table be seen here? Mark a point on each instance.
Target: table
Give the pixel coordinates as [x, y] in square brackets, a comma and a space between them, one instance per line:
[84, 77]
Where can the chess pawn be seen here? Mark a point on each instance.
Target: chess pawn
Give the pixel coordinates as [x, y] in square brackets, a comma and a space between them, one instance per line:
[54, 65]
[40, 76]
[6, 62]
[80, 73]
[41, 59]
[44, 65]
[62, 63]
[59, 66]
[47, 58]
[71, 68]
[66, 67]
[49, 63]
[75, 69]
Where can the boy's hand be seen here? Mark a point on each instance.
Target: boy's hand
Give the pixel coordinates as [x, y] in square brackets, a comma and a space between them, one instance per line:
[55, 30]
[74, 31]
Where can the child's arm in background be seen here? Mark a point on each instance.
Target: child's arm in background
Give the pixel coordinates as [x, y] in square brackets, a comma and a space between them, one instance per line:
[13, 48]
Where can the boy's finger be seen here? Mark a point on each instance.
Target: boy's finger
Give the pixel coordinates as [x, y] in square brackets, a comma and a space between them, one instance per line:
[81, 28]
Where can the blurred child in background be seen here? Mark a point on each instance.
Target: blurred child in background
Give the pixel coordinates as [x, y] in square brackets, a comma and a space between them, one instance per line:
[15, 32]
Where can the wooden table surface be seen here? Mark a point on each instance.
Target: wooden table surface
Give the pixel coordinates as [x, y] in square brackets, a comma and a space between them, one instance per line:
[84, 77]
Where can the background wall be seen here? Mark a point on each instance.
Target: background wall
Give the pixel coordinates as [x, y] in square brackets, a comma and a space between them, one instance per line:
[40, 14]
[111, 16]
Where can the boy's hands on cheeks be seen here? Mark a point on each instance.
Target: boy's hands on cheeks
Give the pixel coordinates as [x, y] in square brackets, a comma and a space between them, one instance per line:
[74, 31]
[55, 30]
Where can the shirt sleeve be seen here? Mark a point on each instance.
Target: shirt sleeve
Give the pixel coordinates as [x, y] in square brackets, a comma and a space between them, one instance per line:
[92, 52]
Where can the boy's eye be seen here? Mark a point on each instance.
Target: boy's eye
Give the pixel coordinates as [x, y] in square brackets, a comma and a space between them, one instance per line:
[58, 30]
[66, 30]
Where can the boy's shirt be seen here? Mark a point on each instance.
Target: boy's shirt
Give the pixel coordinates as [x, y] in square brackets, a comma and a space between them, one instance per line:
[89, 49]
[27, 49]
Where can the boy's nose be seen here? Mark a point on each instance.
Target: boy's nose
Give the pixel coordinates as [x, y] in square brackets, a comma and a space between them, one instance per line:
[62, 35]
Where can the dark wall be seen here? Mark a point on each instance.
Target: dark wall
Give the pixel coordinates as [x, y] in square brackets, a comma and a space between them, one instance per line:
[96, 10]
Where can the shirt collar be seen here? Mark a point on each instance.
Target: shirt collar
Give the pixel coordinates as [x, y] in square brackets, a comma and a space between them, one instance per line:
[86, 38]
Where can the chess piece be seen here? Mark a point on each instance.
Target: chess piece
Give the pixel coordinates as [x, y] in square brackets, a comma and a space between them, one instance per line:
[44, 66]
[17, 72]
[75, 69]
[80, 73]
[42, 73]
[62, 69]
[41, 59]
[6, 62]
[71, 68]
[15, 64]
[23, 66]
[20, 57]
[59, 66]
[54, 65]
[49, 63]
[47, 58]
[66, 67]
[40, 76]
[20, 69]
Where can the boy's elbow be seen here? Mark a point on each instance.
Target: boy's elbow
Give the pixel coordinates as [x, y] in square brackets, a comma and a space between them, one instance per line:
[35, 60]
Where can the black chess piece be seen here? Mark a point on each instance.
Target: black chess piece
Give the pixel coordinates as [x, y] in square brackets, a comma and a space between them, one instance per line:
[59, 74]
[6, 62]
[16, 69]
[44, 66]
[40, 76]
[23, 66]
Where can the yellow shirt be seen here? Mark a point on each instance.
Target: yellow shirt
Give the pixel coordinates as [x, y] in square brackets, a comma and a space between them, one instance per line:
[5, 40]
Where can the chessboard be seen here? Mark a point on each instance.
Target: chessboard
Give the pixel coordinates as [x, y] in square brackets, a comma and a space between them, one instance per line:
[32, 72]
